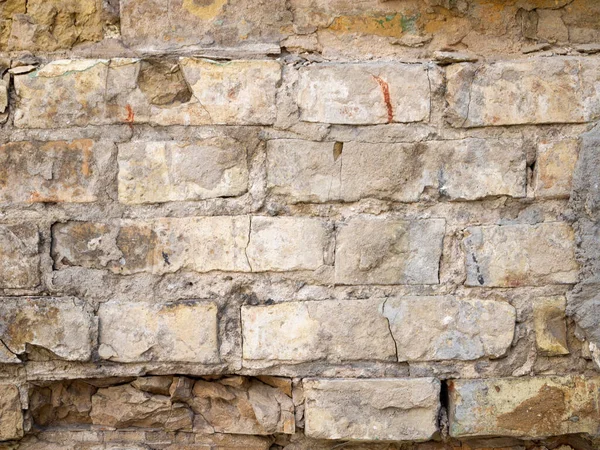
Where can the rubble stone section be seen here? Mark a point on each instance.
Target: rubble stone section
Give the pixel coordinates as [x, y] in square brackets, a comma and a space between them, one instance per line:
[11, 413]
[65, 327]
[521, 255]
[530, 407]
[372, 409]
[172, 332]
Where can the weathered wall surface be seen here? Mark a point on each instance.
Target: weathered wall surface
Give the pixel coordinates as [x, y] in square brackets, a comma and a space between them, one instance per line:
[247, 224]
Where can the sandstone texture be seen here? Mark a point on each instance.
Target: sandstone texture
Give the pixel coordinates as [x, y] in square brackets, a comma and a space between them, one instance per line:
[19, 266]
[11, 415]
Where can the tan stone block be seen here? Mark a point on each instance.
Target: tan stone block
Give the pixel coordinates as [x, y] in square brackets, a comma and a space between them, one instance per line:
[550, 325]
[287, 243]
[174, 332]
[446, 328]
[527, 407]
[64, 326]
[11, 414]
[364, 93]
[155, 172]
[521, 255]
[372, 409]
[554, 168]
[375, 250]
[347, 330]
[58, 171]
[19, 262]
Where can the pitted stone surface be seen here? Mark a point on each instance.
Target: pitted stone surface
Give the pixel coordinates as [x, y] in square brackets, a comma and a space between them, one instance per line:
[19, 248]
[11, 414]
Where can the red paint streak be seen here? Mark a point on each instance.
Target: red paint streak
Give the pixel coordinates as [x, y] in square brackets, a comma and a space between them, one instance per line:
[385, 89]
[130, 115]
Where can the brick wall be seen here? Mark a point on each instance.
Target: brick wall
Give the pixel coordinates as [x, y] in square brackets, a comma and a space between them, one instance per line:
[299, 225]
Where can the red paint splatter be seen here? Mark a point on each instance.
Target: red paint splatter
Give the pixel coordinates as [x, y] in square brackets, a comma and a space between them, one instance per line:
[385, 89]
[130, 115]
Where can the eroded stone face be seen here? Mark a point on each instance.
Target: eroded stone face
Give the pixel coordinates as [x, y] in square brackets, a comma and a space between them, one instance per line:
[550, 325]
[537, 91]
[172, 332]
[374, 250]
[523, 407]
[360, 94]
[11, 414]
[372, 409]
[64, 326]
[348, 330]
[521, 255]
[59, 171]
[156, 172]
[19, 258]
[446, 328]
[554, 168]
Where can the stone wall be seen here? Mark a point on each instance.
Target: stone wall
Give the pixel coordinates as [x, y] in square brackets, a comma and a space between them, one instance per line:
[299, 224]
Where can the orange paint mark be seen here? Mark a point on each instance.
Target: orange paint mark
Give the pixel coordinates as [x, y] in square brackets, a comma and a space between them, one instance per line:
[385, 89]
[130, 115]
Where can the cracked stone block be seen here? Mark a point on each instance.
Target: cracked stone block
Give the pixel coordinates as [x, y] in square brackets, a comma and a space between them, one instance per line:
[372, 409]
[527, 407]
[174, 332]
[348, 330]
[57, 171]
[533, 91]
[166, 245]
[68, 93]
[554, 168]
[11, 413]
[364, 94]
[65, 327]
[446, 328]
[156, 172]
[19, 248]
[376, 250]
[520, 255]
[468, 169]
[550, 325]
[287, 243]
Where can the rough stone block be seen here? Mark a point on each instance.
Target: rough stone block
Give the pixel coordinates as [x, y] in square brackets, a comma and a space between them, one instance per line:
[166, 245]
[521, 255]
[59, 171]
[64, 326]
[347, 330]
[11, 413]
[154, 172]
[550, 325]
[287, 243]
[19, 262]
[554, 168]
[524, 407]
[361, 93]
[446, 328]
[533, 91]
[372, 409]
[374, 250]
[466, 169]
[186, 91]
[175, 332]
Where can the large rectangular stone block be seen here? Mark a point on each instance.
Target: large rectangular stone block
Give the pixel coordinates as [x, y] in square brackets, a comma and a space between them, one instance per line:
[447, 328]
[347, 330]
[59, 171]
[467, 169]
[183, 91]
[183, 331]
[165, 245]
[64, 326]
[154, 172]
[287, 243]
[364, 93]
[372, 409]
[19, 256]
[521, 255]
[524, 407]
[375, 250]
[11, 413]
[533, 91]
